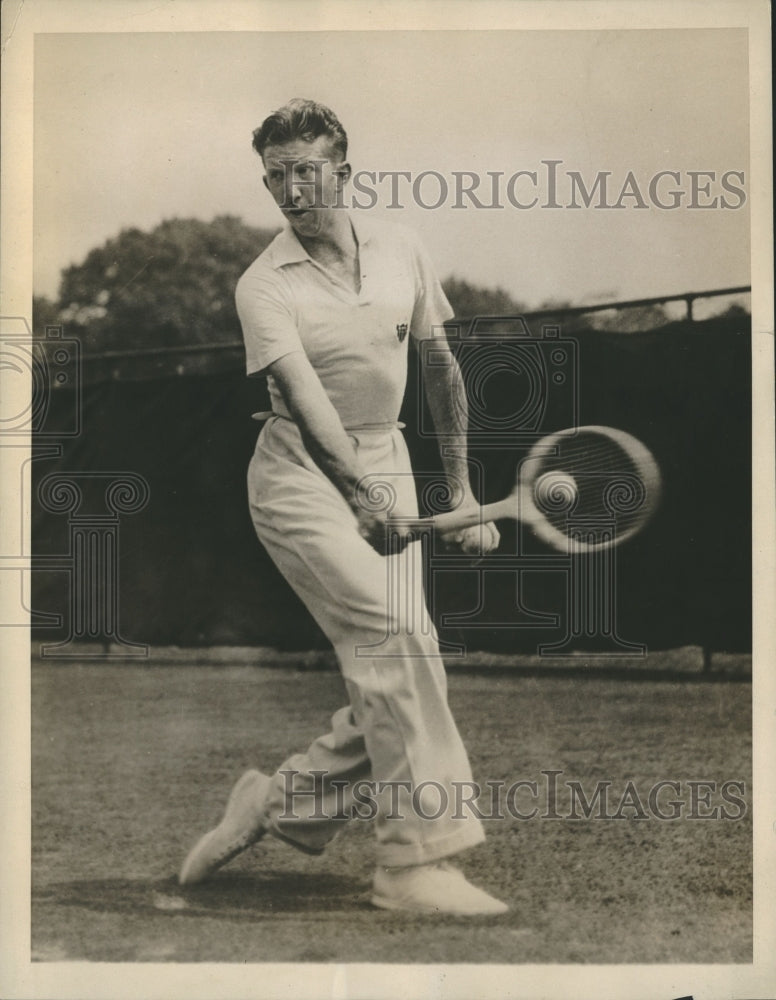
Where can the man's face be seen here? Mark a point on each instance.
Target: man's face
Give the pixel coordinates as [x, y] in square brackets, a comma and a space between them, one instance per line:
[305, 179]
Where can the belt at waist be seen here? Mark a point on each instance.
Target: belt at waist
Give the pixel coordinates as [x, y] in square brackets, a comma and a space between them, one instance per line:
[387, 426]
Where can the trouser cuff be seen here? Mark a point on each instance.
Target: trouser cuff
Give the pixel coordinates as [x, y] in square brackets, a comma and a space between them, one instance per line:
[404, 855]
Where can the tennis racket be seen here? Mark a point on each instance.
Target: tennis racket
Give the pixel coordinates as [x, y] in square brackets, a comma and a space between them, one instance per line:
[579, 490]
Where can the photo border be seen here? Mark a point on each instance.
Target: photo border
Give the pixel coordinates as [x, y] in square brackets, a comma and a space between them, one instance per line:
[20, 978]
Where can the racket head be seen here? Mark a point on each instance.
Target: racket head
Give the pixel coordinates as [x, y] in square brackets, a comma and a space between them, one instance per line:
[588, 488]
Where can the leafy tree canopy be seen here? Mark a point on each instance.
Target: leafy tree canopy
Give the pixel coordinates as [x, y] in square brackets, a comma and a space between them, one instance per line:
[171, 286]
[471, 300]
[174, 286]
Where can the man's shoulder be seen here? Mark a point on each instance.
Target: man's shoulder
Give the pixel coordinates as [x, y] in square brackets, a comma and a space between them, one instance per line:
[263, 268]
[269, 256]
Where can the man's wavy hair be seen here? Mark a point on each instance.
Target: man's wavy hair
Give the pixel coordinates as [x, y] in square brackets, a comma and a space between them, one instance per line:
[301, 119]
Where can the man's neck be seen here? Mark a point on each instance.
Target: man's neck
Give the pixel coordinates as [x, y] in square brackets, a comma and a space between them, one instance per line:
[338, 243]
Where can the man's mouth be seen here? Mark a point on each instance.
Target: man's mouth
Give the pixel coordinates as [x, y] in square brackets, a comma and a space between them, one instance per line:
[297, 213]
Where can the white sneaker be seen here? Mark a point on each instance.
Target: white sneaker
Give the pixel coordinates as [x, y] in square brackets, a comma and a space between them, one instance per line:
[242, 825]
[435, 888]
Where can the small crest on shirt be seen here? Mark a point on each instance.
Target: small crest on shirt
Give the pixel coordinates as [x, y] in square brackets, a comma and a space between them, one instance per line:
[401, 331]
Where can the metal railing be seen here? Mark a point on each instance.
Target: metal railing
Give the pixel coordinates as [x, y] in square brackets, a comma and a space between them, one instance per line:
[237, 345]
[686, 297]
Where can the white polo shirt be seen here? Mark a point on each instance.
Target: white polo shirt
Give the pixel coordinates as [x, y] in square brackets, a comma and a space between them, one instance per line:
[356, 342]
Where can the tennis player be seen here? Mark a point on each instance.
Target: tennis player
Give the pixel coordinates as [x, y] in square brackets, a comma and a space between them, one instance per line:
[327, 311]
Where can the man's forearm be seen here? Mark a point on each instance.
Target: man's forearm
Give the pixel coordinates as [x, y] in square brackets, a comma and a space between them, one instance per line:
[329, 446]
[447, 401]
[322, 433]
[335, 458]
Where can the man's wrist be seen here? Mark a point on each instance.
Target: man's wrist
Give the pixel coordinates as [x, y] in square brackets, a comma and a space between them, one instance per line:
[461, 494]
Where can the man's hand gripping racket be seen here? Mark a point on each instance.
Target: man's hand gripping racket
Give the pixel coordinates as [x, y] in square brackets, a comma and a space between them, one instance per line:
[579, 490]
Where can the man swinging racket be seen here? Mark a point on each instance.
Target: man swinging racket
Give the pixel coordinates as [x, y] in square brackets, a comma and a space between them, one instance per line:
[325, 311]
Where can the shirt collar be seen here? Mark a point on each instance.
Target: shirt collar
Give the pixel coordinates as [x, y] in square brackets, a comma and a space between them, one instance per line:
[288, 250]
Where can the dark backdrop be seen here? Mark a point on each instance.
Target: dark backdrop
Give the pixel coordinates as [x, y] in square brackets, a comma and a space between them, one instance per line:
[190, 570]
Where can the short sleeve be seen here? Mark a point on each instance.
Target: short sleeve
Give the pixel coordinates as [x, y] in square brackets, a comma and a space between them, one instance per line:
[431, 306]
[267, 319]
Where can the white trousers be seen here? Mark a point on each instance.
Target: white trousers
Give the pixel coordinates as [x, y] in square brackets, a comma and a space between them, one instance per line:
[396, 744]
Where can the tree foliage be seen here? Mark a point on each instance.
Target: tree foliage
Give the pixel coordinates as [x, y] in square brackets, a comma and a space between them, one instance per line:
[632, 320]
[44, 313]
[171, 286]
[471, 300]
[174, 286]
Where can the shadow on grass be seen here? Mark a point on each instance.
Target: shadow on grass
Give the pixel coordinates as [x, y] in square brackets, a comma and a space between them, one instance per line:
[227, 897]
[247, 898]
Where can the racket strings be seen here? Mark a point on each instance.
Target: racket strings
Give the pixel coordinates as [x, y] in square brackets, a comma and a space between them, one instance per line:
[588, 483]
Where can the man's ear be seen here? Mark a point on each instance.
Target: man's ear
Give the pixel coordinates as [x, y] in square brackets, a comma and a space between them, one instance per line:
[264, 181]
[344, 171]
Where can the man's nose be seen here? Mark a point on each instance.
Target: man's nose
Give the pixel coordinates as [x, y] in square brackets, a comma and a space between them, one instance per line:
[294, 191]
